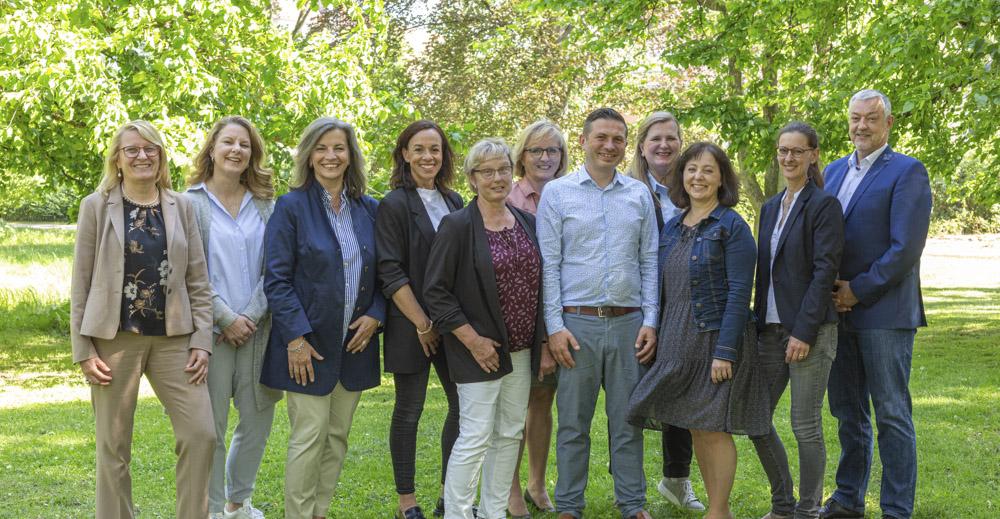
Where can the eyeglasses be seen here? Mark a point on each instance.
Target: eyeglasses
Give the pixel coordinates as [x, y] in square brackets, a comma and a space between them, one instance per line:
[537, 152]
[488, 174]
[133, 151]
[796, 152]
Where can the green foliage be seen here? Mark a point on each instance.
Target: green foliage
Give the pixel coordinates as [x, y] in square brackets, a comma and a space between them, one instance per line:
[745, 69]
[73, 72]
[34, 199]
[966, 202]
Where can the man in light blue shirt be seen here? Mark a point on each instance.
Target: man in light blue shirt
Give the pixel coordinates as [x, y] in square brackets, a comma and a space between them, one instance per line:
[595, 226]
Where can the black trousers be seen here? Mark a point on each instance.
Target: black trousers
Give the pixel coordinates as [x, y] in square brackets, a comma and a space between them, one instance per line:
[411, 392]
[677, 452]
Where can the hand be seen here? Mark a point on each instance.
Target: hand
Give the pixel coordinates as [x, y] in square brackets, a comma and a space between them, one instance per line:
[365, 327]
[484, 350]
[646, 344]
[96, 371]
[238, 332]
[300, 362]
[721, 370]
[559, 345]
[796, 350]
[430, 340]
[844, 297]
[548, 362]
[198, 365]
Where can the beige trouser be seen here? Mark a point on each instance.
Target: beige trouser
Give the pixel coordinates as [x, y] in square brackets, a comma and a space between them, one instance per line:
[162, 361]
[317, 446]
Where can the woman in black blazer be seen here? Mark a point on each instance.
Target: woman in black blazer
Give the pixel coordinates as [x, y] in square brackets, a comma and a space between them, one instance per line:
[483, 289]
[407, 219]
[801, 239]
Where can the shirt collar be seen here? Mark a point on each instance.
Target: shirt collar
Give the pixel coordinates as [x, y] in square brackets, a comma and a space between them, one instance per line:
[328, 200]
[525, 187]
[657, 186]
[582, 176]
[867, 161]
[199, 185]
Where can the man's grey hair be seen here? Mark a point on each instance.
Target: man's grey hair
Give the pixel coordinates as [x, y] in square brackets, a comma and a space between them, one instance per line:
[871, 93]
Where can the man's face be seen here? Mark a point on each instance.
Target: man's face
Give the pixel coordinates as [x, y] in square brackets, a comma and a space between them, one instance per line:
[869, 128]
[604, 148]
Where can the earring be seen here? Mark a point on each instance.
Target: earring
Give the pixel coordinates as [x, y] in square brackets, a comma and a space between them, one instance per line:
[119, 172]
[213, 159]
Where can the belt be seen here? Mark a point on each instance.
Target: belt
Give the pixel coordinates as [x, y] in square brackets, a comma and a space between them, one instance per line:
[601, 311]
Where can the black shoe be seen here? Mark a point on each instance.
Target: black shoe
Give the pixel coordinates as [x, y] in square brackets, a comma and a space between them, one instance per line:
[414, 512]
[439, 509]
[834, 510]
[531, 501]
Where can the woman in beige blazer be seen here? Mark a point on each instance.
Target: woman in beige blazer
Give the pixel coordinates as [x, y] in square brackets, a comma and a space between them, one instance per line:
[141, 305]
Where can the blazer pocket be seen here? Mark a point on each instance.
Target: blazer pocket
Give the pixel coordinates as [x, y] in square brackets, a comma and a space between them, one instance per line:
[96, 311]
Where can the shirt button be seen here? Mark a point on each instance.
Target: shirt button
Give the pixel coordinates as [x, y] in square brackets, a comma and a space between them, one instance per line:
[697, 305]
[702, 325]
[695, 283]
[694, 258]
[699, 239]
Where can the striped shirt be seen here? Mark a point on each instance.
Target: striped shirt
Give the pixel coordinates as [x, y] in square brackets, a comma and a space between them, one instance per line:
[598, 246]
[343, 228]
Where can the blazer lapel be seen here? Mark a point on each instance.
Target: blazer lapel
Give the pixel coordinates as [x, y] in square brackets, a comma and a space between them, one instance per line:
[877, 167]
[768, 221]
[835, 179]
[116, 213]
[794, 214]
[169, 207]
[483, 261]
[420, 216]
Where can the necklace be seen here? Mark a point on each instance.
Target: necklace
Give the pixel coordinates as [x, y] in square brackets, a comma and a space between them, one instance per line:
[231, 206]
[151, 203]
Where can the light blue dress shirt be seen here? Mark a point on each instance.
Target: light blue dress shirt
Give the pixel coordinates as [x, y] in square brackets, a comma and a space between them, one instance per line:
[343, 227]
[855, 172]
[667, 207]
[598, 246]
[235, 251]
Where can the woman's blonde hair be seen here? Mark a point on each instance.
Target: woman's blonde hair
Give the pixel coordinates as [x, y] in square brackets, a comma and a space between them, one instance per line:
[355, 178]
[539, 130]
[257, 177]
[639, 167]
[112, 173]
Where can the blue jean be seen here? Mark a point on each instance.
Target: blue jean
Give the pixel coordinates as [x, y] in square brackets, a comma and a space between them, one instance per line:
[808, 379]
[874, 364]
[606, 359]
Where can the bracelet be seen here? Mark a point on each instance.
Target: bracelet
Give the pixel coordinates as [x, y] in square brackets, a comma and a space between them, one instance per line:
[297, 348]
[428, 330]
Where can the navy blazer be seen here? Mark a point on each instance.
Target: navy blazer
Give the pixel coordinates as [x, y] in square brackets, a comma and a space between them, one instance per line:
[461, 288]
[404, 234]
[805, 262]
[304, 284]
[885, 228]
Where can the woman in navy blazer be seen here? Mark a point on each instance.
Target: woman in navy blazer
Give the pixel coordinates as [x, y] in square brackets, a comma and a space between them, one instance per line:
[408, 219]
[801, 240]
[319, 280]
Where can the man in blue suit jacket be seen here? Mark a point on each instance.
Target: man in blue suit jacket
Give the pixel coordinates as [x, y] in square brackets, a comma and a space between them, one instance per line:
[886, 198]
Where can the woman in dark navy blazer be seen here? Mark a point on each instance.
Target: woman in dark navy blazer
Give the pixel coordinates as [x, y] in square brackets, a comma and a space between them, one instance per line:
[801, 240]
[408, 219]
[319, 280]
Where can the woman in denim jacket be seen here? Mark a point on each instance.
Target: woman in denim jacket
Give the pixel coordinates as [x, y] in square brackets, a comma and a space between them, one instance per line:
[702, 379]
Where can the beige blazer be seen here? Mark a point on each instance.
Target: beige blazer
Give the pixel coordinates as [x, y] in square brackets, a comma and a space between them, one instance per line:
[98, 273]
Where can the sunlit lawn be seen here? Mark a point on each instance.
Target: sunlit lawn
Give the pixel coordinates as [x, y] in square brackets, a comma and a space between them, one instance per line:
[47, 447]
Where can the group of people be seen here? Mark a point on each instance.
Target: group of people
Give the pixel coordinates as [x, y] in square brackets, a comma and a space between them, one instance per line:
[539, 290]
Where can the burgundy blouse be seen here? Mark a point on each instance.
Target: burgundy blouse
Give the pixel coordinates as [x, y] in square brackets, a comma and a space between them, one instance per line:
[518, 271]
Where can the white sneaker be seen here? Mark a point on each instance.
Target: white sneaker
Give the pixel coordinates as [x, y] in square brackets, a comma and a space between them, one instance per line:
[247, 511]
[216, 515]
[679, 492]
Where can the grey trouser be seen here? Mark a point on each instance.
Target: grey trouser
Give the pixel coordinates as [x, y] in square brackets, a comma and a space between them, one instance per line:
[606, 359]
[808, 377]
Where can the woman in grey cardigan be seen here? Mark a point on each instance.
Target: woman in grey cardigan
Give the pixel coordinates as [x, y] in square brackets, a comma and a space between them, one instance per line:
[232, 194]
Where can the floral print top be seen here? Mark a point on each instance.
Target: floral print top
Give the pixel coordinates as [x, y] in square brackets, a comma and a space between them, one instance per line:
[146, 267]
[518, 271]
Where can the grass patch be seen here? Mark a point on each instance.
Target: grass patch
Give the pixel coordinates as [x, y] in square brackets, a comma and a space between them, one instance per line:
[47, 428]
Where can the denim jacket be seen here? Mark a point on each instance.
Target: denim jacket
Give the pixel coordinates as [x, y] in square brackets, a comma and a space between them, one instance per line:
[721, 270]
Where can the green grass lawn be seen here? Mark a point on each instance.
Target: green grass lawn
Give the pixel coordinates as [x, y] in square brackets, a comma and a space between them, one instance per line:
[47, 429]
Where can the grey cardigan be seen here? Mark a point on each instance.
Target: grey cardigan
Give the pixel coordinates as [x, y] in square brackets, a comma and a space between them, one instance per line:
[257, 310]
